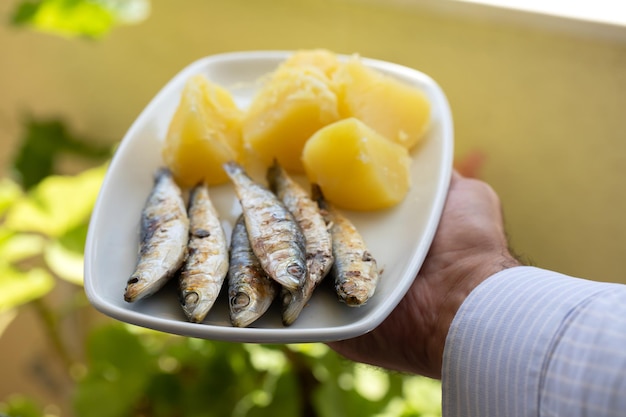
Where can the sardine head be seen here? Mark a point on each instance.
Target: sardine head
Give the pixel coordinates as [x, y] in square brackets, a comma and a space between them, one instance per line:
[242, 311]
[196, 304]
[292, 304]
[293, 276]
[239, 301]
[137, 288]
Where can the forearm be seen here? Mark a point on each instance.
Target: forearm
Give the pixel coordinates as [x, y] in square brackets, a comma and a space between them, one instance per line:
[513, 338]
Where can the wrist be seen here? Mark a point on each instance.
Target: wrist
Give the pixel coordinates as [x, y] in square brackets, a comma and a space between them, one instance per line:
[463, 277]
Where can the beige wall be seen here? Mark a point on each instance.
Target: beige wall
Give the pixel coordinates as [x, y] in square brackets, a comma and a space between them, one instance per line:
[547, 107]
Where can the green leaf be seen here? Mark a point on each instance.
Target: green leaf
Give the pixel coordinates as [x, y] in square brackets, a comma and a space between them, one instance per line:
[65, 255]
[22, 406]
[24, 12]
[57, 205]
[128, 11]
[278, 396]
[371, 383]
[65, 17]
[264, 358]
[120, 370]
[165, 393]
[84, 18]
[18, 287]
[208, 395]
[41, 145]
[9, 193]
[423, 395]
[343, 388]
[314, 350]
[74, 239]
[65, 263]
[16, 247]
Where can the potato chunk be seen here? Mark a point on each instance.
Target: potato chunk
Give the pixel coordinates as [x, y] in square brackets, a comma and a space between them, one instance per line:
[394, 109]
[357, 168]
[322, 59]
[205, 132]
[294, 104]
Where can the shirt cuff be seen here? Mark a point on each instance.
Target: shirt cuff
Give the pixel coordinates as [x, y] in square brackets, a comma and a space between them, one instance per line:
[499, 340]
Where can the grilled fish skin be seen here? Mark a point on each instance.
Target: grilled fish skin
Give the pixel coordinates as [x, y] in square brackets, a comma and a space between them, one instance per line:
[275, 237]
[250, 290]
[163, 240]
[355, 271]
[318, 241]
[204, 271]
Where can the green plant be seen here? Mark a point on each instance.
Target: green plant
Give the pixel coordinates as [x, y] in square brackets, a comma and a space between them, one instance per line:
[43, 225]
[85, 18]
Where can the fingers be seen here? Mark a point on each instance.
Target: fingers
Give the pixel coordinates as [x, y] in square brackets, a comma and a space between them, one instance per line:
[455, 177]
[479, 186]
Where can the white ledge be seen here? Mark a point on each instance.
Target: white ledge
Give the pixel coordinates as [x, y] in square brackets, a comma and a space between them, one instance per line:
[605, 19]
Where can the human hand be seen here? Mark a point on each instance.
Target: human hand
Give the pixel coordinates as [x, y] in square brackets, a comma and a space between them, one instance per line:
[470, 245]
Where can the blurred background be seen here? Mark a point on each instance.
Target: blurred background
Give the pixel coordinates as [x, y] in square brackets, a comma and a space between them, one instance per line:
[538, 104]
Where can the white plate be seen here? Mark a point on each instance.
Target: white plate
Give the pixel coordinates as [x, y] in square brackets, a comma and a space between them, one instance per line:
[398, 238]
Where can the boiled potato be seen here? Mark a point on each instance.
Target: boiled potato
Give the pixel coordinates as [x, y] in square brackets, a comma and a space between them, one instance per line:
[205, 132]
[322, 59]
[356, 167]
[292, 106]
[394, 109]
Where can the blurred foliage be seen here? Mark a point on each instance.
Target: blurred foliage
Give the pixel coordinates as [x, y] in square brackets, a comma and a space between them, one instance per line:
[139, 372]
[129, 371]
[82, 18]
[47, 223]
[42, 143]
[22, 406]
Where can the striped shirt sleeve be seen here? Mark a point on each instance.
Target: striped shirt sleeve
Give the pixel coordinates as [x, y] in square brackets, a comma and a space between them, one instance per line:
[531, 342]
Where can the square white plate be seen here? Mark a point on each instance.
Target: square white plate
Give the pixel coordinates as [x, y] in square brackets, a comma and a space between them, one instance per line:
[398, 238]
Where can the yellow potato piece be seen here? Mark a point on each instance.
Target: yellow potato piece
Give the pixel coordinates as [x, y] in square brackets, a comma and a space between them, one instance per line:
[394, 109]
[322, 59]
[294, 104]
[205, 132]
[357, 168]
